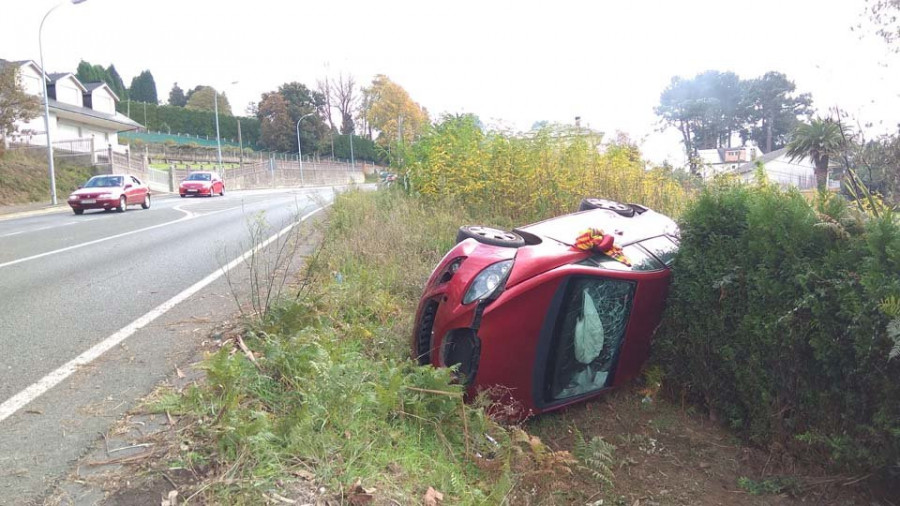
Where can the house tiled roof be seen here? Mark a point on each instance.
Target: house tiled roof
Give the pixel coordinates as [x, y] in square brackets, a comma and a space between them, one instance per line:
[121, 119]
[764, 159]
[93, 86]
[56, 76]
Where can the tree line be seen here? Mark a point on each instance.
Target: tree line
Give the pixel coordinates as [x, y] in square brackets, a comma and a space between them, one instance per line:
[714, 109]
[379, 117]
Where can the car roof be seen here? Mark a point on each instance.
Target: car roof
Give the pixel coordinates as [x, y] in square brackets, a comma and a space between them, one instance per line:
[626, 230]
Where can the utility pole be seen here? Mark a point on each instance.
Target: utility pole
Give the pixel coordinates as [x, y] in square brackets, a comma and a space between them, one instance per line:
[241, 144]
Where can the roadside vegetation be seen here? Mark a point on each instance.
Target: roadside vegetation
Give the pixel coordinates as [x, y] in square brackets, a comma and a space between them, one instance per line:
[315, 396]
[784, 323]
[24, 177]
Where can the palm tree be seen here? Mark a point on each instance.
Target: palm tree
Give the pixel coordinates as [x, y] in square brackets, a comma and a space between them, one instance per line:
[818, 140]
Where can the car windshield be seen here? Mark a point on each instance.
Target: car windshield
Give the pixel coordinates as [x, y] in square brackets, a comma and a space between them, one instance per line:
[197, 176]
[104, 181]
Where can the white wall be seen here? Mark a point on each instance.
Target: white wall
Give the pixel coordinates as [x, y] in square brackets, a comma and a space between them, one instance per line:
[31, 80]
[102, 101]
[67, 91]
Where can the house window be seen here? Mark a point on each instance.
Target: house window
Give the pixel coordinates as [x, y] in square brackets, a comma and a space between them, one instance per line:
[588, 336]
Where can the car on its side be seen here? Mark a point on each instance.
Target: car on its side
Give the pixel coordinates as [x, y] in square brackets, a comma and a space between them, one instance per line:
[202, 183]
[541, 323]
[110, 191]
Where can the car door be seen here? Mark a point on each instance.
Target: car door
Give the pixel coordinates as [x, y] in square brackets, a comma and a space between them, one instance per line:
[137, 191]
[587, 337]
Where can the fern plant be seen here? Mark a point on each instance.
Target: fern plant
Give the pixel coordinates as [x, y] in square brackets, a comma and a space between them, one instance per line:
[598, 457]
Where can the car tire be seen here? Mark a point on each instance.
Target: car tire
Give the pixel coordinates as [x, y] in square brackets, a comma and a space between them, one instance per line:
[609, 205]
[78, 211]
[222, 192]
[123, 204]
[183, 195]
[489, 235]
[146, 203]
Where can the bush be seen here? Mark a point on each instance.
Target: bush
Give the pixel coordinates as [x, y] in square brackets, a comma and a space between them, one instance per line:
[778, 323]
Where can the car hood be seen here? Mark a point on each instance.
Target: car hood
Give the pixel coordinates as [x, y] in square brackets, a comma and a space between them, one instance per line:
[97, 190]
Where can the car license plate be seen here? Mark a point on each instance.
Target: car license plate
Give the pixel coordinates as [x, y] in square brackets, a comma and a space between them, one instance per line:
[192, 191]
[88, 201]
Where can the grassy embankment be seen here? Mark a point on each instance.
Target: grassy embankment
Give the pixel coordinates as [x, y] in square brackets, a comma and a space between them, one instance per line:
[24, 177]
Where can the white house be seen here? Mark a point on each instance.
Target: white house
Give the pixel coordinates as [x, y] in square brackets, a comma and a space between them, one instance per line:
[83, 116]
[723, 160]
[780, 169]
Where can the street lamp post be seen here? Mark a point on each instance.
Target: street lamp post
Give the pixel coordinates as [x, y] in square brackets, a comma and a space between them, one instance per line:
[218, 142]
[47, 102]
[299, 153]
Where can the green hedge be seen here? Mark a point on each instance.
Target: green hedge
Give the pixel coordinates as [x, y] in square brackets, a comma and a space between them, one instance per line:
[781, 319]
[178, 120]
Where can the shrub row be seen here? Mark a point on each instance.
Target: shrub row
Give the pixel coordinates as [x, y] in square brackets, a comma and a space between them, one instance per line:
[781, 320]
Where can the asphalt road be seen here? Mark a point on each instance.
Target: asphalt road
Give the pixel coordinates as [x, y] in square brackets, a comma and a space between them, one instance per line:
[96, 309]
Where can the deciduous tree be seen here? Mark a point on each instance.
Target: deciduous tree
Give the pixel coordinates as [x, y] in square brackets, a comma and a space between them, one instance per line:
[201, 99]
[15, 104]
[886, 16]
[275, 123]
[392, 113]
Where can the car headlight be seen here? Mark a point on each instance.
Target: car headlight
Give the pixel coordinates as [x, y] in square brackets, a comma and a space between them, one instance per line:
[488, 281]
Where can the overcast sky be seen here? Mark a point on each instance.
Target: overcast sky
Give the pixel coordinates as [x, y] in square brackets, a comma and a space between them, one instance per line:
[511, 63]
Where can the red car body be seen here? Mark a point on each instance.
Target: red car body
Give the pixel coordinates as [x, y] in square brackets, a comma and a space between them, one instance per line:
[111, 191]
[516, 341]
[202, 183]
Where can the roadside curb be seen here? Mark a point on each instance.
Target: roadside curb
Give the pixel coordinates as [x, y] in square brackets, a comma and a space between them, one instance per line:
[59, 208]
[36, 212]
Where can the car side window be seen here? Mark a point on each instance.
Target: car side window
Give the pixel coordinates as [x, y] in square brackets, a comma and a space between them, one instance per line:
[662, 248]
[587, 337]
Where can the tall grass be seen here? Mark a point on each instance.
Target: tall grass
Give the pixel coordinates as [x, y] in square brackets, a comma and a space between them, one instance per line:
[524, 178]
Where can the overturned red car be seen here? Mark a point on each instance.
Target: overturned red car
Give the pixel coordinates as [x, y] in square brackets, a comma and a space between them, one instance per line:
[553, 313]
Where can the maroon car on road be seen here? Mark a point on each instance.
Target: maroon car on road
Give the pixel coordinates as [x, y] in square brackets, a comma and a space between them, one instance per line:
[548, 323]
[202, 183]
[116, 191]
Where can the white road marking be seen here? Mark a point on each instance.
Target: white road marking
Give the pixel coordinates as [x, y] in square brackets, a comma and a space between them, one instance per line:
[21, 399]
[38, 229]
[188, 216]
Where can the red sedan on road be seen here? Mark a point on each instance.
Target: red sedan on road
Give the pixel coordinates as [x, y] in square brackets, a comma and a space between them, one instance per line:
[202, 183]
[116, 191]
[553, 313]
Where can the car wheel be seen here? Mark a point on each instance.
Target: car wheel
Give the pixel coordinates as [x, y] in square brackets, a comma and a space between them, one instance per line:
[78, 211]
[488, 235]
[123, 204]
[146, 204]
[222, 191]
[610, 205]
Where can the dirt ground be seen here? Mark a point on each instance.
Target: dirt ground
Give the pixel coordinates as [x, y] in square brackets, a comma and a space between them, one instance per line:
[667, 456]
